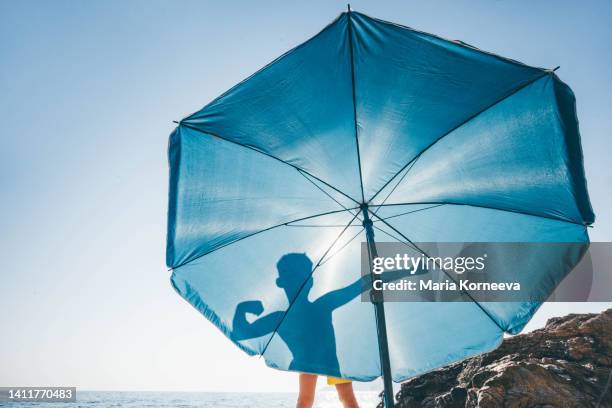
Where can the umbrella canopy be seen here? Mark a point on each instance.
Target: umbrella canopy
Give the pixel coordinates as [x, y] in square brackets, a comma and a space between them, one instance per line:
[432, 140]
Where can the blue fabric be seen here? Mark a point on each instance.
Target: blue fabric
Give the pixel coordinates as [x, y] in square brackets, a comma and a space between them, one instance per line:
[442, 141]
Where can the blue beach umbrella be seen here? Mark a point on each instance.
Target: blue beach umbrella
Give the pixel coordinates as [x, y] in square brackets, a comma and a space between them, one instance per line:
[368, 131]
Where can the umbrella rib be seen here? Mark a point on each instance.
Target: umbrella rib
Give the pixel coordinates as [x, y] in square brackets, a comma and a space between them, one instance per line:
[269, 155]
[321, 225]
[414, 248]
[265, 67]
[264, 230]
[457, 43]
[323, 262]
[304, 283]
[350, 41]
[323, 191]
[443, 270]
[486, 108]
[437, 203]
[409, 212]
[396, 185]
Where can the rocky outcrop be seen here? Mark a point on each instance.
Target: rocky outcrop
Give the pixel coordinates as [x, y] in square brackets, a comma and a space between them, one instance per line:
[568, 363]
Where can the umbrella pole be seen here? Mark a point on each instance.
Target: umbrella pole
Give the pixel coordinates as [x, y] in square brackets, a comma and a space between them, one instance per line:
[379, 307]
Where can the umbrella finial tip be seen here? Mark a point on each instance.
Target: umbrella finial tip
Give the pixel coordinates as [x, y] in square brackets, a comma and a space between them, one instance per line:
[348, 7]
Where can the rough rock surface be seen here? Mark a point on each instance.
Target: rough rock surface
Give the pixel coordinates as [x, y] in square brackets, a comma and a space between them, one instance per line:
[568, 363]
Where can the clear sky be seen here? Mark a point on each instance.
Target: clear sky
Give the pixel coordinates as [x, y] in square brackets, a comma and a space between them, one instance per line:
[88, 92]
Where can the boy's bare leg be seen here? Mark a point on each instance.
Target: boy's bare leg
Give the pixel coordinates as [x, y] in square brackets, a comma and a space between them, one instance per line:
[347, 396]
[308, 385]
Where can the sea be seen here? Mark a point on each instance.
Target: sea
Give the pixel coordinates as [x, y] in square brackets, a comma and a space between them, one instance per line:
[99, 399]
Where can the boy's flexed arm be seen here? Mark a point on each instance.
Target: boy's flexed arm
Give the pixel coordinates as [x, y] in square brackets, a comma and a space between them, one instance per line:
[243, 329]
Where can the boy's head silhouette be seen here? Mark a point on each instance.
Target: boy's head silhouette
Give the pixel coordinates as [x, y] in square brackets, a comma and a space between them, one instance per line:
[293, 270]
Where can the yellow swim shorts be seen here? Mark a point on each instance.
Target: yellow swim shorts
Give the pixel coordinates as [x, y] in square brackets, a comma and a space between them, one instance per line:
[336, 381]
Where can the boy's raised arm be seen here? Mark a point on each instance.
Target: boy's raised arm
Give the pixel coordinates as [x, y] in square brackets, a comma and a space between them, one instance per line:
[342, 296]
